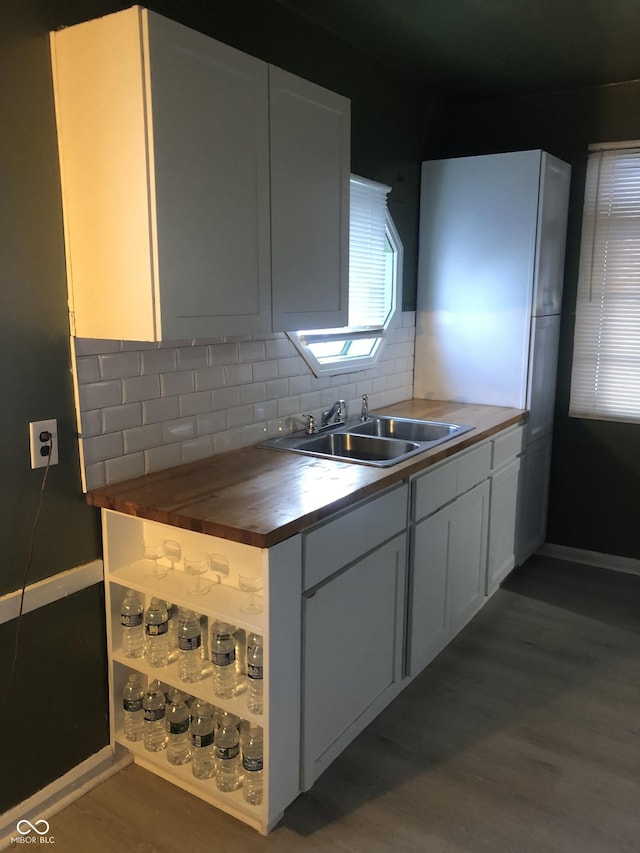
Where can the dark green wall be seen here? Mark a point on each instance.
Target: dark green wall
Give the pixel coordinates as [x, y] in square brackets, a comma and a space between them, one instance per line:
[62, 646]
[596, 465]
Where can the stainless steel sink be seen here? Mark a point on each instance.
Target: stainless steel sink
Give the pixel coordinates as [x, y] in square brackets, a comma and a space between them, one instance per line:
[360, 448]
[381, 441]
[407, 429]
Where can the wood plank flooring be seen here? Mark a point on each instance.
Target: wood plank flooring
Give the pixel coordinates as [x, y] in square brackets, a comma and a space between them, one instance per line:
[523, 736]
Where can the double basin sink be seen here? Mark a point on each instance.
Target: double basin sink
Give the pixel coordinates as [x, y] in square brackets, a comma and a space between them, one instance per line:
[381, 440]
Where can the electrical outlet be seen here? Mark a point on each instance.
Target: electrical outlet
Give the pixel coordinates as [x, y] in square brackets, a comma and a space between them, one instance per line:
[38, 445]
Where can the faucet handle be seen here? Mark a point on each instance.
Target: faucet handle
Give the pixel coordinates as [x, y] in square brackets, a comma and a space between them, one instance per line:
[364, 414]
[311, 424]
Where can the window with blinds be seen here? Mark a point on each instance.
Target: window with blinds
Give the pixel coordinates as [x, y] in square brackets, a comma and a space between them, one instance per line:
[605, 379]
[375, 256]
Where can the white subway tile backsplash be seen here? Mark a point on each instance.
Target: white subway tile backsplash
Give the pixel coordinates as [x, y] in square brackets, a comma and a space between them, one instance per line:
[256, 392]
[100, 394]
[159, 360]
[124, 468]
[238, 374]
[162, 457]
[221, 354]
[87, 369]
[197, 448]
[211, 422]
[140, 388]
[179, 430]
[239, 416]
[193, 398]
[207, 378]
[195, 404]
[180, 382]
[277, 388]
[279, 348]
[91, 423]
[251, 351]
[142, 438]
[160, 409]
[265, 411]
[119, 365]
[265, 370]
[225, 398]
[193, 358]
[115, 418]
[101, 447]
[228, 440]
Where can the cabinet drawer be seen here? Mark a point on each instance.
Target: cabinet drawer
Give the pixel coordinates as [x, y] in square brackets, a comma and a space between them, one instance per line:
[507, 446]
[342, 540]
[473, 467]
[439, 486]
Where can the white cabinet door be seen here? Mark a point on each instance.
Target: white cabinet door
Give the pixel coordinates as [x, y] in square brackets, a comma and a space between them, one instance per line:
[555, 179]
[209, 111]
[310, 168]
[543, 370]
[468, 554]
[447, 574]
[534, 497]
[429, 623]
[503, 510]
[352, 653]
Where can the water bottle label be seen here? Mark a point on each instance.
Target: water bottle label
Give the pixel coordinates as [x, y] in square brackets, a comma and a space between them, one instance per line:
[252, 765]
[188, 644]
[132, 705]
[223, 658]
[152, 715]
[225, 753]
[202, 740]
[156, 630]
[254, 672]
[131, 620]
[178, 728]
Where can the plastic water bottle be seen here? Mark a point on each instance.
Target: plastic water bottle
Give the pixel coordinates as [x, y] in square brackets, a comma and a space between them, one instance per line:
[255, 655]
[132, 621]
[156, 627]
[189, 646]
[133, 713]
[223, 660]
[252, 766]
[153, 703]
[228, 760]
[177, 720]
[202, 726]
[172, 629]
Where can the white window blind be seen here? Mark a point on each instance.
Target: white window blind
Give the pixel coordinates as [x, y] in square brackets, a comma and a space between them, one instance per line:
[605, 380]
[369, 293]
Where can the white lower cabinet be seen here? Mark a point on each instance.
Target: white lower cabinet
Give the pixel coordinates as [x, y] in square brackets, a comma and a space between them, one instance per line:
[352, 654]
[278, 624]
[353, 608]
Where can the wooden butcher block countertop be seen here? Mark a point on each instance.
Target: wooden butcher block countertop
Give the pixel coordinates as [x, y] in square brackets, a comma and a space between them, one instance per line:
[261, 496]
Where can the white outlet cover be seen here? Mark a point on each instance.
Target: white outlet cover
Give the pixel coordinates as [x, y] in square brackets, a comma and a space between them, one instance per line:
[35, 428]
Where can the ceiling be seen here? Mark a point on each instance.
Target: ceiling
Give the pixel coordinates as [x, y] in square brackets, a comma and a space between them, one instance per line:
[485, 49]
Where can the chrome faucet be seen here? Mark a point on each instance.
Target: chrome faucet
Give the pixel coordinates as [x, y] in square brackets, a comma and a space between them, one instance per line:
[364, 414]
[336, 414]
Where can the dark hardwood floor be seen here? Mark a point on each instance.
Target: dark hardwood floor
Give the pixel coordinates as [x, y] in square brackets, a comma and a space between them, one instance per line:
[523, 735]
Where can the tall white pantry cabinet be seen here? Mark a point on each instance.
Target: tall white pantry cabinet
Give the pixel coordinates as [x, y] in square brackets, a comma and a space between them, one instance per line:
[490, 277]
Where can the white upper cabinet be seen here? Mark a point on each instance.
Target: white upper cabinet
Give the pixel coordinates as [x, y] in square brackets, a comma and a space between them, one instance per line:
[310, 170]
[164, 149]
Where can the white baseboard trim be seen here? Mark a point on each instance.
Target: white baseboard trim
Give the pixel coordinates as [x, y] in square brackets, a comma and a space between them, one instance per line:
[591, 558]
[51, 589]
[60, 793]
